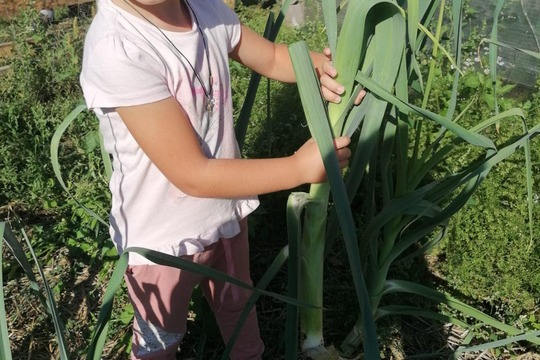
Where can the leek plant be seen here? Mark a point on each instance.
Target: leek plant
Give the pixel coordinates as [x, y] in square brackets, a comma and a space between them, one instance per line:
[407, 200]
[43, 292]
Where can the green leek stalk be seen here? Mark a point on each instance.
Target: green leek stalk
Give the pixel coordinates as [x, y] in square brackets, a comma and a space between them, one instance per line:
[312, 238]
[348, 54]
[315, 220]
[311, 289]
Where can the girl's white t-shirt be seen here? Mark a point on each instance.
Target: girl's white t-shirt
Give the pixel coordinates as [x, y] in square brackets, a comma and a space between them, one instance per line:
[127, 61]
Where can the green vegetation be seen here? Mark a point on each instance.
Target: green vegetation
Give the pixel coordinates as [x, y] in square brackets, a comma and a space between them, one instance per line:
[404, 167]
[486, 260]
[38, 91]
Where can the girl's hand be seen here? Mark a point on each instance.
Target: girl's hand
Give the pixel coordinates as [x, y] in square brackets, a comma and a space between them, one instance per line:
[309, 161]
[332, 90]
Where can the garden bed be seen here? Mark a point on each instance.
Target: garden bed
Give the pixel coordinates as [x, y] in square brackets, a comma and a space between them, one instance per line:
[486, 260]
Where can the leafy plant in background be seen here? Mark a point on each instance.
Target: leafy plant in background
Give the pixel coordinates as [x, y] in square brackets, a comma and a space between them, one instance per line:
[399, 171]
[38, 89]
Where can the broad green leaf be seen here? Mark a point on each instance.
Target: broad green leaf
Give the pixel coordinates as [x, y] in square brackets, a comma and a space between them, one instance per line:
[472, 138]
[358, 26]
[392, 310]
[508, 46]
[531, 337]
[321, 131]
[99, 337]
[296, 204]
[400, 286]
[413, 19]
[55, 145]
[330, 23]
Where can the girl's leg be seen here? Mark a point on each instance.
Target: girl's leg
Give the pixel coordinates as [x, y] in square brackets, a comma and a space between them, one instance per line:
[227, 301]
[160, 296]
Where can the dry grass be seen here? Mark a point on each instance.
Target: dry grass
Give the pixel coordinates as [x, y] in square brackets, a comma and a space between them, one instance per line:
[78, 294]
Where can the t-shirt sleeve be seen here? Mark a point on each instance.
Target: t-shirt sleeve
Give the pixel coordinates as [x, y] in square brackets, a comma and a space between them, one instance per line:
[230, 22]
[122, 73]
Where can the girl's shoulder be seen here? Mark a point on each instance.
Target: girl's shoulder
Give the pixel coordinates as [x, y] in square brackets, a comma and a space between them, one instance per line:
[111, 23]
[214, 12]
[116, 36]
[119, 63]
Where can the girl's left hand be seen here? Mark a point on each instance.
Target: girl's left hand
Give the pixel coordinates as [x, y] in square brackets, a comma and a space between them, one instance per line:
[331, 89]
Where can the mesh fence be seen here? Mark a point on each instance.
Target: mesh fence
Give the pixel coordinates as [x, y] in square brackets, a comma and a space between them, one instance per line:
[519, 25]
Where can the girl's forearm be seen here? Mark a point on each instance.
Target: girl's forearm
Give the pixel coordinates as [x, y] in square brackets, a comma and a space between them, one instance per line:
[232, 178]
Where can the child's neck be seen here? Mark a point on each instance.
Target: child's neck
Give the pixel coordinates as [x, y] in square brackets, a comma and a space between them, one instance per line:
[171, 15]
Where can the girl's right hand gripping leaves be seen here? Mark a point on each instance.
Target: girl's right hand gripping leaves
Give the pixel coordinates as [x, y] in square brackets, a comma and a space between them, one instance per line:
[310, 163]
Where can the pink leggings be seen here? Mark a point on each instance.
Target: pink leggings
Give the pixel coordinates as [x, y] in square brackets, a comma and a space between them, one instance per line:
[160, 296]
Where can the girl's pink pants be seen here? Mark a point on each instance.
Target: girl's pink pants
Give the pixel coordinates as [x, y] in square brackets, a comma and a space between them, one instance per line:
[160, 296]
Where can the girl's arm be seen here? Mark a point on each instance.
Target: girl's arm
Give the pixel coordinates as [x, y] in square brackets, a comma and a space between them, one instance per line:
[171, 144]
[273, 61]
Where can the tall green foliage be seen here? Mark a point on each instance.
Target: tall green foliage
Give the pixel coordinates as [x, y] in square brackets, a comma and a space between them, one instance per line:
[407, 196]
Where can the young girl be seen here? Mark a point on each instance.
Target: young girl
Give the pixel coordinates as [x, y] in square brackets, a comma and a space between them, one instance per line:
[156, 74]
